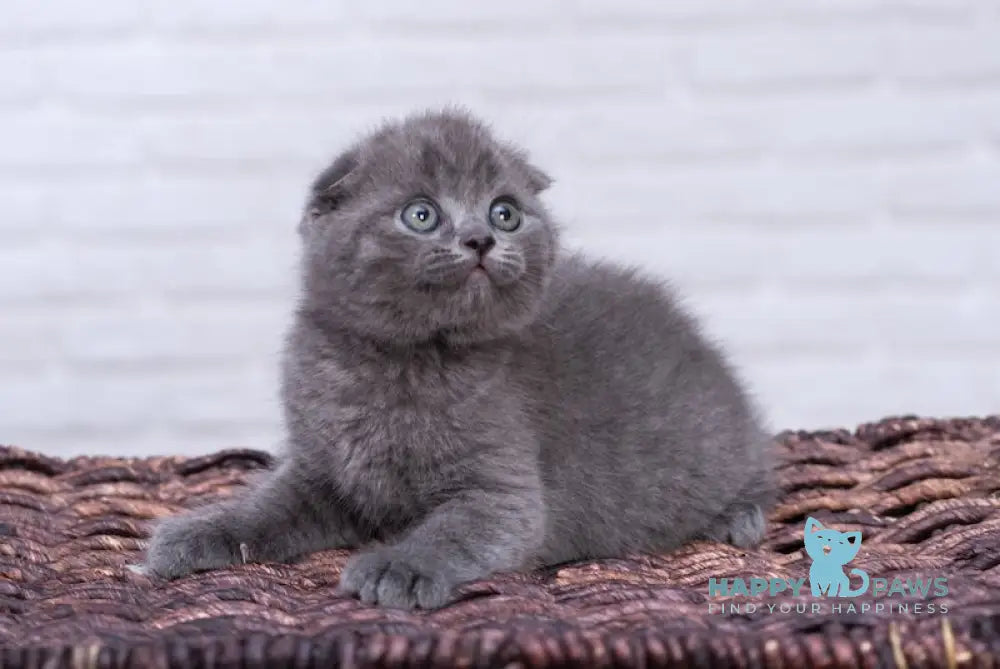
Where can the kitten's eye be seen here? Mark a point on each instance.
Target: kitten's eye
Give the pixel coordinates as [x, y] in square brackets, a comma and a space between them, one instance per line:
[505, 216]
[420, 215]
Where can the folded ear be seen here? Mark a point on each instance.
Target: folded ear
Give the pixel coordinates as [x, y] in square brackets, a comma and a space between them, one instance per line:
[813, 525]
[537, 179]
[330, 188]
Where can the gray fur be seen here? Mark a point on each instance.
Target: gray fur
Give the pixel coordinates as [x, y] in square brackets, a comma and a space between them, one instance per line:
[456, 422]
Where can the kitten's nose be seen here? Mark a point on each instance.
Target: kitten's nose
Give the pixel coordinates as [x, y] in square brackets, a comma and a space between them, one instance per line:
[827, 549]
[480, 241]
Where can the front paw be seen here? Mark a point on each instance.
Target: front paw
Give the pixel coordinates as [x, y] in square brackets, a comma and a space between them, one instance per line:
[185, 544]
[388, 576]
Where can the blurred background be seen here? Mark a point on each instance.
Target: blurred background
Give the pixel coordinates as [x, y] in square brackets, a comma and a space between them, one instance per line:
[820, 179]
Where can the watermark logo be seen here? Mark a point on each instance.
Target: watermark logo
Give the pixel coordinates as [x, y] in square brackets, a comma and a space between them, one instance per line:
[830, 550]
[830, 578]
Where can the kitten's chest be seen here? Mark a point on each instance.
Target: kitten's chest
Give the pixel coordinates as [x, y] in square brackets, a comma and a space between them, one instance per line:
[405, 435]
[396, 451]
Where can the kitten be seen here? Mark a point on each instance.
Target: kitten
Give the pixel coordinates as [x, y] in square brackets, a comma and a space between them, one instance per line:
[461, 398]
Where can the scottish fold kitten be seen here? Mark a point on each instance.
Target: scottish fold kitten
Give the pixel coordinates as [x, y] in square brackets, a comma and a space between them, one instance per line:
[462, 398]
[830, 550]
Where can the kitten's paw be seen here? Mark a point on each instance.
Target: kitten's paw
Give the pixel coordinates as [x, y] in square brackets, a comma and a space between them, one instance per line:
[746, 526]
[389, 577]
[184, 544]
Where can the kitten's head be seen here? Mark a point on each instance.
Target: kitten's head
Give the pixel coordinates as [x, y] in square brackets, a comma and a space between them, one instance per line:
[828, 545]
[429, 227]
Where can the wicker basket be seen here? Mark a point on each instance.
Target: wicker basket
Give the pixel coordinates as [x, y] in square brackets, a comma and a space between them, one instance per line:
[923, 492]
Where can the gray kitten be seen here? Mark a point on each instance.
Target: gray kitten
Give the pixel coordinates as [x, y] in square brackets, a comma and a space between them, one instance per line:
[462, 399]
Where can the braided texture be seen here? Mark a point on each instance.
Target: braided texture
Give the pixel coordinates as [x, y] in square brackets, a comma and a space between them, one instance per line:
[924, 492]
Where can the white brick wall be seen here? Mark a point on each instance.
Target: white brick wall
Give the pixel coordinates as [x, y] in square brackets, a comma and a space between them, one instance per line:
[820, 177]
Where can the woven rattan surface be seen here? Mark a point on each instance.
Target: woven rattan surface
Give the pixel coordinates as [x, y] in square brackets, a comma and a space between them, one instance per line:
[924, 492]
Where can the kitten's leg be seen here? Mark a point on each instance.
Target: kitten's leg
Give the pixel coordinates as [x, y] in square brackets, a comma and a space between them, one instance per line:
[746, 526]
[476, 533]
[281, 518]
[742, 525]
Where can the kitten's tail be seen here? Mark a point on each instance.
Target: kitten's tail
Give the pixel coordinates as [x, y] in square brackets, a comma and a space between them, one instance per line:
[864, 583]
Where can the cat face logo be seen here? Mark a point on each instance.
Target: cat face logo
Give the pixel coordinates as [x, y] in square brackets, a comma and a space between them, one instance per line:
[830, 550]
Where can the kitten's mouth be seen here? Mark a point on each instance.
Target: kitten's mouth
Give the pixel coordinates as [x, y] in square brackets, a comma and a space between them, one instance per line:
[827, 549]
